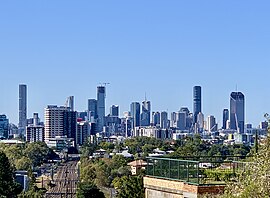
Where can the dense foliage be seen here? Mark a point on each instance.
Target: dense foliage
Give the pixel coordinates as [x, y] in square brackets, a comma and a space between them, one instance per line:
[8, 186]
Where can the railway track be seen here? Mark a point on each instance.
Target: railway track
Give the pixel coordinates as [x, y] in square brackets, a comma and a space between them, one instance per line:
[65, 182]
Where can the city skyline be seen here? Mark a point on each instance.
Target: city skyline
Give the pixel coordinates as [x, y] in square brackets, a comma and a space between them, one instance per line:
[165, 52]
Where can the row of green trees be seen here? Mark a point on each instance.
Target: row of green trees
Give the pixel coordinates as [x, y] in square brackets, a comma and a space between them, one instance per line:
[21, 157]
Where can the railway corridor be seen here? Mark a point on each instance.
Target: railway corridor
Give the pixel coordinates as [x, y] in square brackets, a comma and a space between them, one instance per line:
[65, 181]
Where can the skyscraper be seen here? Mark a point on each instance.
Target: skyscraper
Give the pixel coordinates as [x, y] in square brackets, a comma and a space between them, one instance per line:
[4, 126]
[114, 111]
[164, 120]
[54, 121]
[237, 111]
[146, 112]
[135, 110]
[211, 123]
[92, 110]
[197, 102]
[181, 120]
[101, 94]
[156, 119]
[225, 118]
[22, 109]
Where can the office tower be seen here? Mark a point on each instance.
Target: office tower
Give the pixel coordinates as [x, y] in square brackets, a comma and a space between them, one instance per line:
[22, 109]
[4, 127]
[189, 118]
[54, 121]
[225, 118]
[83, 132]
[35, 132]
[114, 111]
[211, 123]
[173, 122]
[237, 111]
[70, 124]
[92, 110]
[200, 121]
[197, 102]
[83, 116]
[146, 112]
[70, 103]
[100, 107]
[164, 120]
[135, 110]
[181, 120]
[156, 119]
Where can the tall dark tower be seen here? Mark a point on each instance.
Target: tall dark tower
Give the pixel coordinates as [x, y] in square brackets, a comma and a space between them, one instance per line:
[237, 111]
[197, 102]
[101, 94]
[22, 109]
[225, 118]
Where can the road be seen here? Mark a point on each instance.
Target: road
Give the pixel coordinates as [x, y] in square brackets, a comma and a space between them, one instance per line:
[65, 181]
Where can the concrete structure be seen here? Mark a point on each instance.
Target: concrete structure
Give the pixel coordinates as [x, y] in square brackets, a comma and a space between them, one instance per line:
[83, 132]
[4, 127]
[159, 188]
[181, 120]
[197, 102]
[200, 121]
[60, 143]
[35, 132]
[237, 111]
[54, 121]
[101, 94]
[22, 109]
[155, 132]
[146, 113]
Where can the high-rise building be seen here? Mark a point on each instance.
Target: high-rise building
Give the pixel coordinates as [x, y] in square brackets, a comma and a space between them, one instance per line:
[22, 109]
[35, 132]
[225, 118]
[211, 123]
[146, 113]
[83, 132]
[173, 119]
[4, 127]
[156, 118]
[54, 121]
[101, 94]
[200, 121]
[70, 124]
[181, 120]
[135, 111]
[92, 110]
[197, 102]
[164, 120]
[237, 111]
[114, 111]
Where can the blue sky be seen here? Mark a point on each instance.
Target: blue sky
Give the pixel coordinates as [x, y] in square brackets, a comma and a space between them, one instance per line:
[164, 48]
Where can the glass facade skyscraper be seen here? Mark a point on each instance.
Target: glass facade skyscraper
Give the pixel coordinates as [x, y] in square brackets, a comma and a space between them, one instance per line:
[101, 94]
[135, 111]
[237, 111]
[146, 113]
[22, 109]
[197, 102]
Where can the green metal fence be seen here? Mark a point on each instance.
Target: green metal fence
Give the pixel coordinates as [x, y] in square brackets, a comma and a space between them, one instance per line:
[194, 172]
[183, 170]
